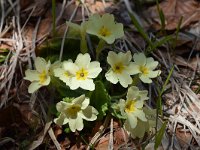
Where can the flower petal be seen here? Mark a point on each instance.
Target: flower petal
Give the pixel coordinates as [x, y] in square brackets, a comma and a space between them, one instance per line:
[83, 60]
[124, 79]
[34, 86]
[132, 93]
[31, 75]
[140, 59]
[47, 81]
[61, 106]
[76, 124]
[120, 30]
[132, 120]
[111, 76]
[80, 100]
[62, 74]
[89, 114]
[139, 103]
[112, 58]
[140, 114]
[133, 68]
[153, 74]
[70, 66]
[145, 79]
[151, 64]
[74, 84]
[87, 84]
[94, 69]
[125, 57]
[59, 120]
[40, 64]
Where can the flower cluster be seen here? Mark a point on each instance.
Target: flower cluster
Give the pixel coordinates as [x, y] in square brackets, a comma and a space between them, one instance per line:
[81, 73]
[122, 68]
[74, 112]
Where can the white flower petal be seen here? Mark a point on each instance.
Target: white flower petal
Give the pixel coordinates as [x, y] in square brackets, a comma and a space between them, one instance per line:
[62, 74]
[151, 64]
[140, 114]
[83, 60]
[62, 106]
[139, 103]
[132, 93]
[112, 58]
[31, 75]
[124, 79]
[59, 120]
[139, 58]
[47, 81]
[34, 86]
[74, 84]
[85, 103]
[80, 100]
[94, 69]
[125, 57]
[76, 124]
[71, 67]
[153, 74]
[132, 120]
[111, 76]
[133, 68]
[40, 64]
[89, 114]
[118, 27]
[87, 84]
[145, 79]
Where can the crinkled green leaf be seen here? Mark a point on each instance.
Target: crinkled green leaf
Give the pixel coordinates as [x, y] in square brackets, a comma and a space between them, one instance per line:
[100, 99]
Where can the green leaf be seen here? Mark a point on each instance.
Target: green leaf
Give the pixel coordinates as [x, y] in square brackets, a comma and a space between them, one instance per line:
[159, 135]
[160, 42]
[100, 99]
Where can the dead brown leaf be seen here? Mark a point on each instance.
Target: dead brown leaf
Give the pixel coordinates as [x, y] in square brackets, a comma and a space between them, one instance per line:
[173, 11]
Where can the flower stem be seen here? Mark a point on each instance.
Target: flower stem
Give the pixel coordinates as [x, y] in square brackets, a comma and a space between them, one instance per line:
[83, 48]
[99, 48]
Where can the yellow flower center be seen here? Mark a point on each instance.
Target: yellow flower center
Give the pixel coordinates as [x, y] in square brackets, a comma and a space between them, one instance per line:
[130, 106]
[104, 31]
[118, 68]
[144, 70]
[43, 77]
[73, 110]
[81, 74]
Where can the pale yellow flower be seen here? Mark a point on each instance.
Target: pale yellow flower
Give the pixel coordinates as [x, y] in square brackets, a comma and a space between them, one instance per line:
[145, 67]
[82, 72]
[132, 107]
[73, 113]
[121, 68]
[105, 27]
[39, 77]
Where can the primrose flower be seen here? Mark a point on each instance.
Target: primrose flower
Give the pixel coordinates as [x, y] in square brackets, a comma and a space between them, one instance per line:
[82, 72]
[39, 77]
[121, 68]
[144, 67]
[105, 27]
[132, 107]
[73, 113]
[62, 72]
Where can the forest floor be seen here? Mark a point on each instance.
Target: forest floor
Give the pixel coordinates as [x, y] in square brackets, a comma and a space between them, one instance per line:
[170, 28]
